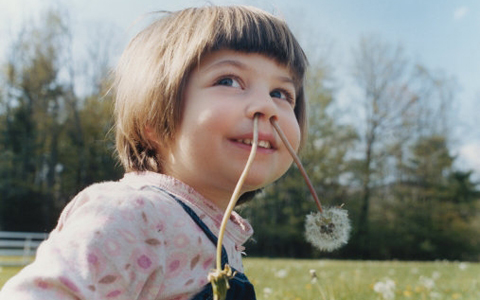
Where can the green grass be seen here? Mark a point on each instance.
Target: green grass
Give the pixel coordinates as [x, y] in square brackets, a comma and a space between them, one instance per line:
[355, 280]
[6, 273]
[288, 279]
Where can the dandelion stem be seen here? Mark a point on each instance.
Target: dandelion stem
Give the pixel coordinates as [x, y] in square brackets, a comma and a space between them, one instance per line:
[236, 193]
[297, 162]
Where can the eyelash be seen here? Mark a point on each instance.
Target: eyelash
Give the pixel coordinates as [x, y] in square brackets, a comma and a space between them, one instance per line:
[288, 95]
[233, 77]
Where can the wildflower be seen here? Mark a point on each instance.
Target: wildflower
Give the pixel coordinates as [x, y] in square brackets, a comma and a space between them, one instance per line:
[328, 230]
[428, 283]
[313, 275]
[281, 273]
[267, 292]
[385, 288]
[436, 275]
[463, 266]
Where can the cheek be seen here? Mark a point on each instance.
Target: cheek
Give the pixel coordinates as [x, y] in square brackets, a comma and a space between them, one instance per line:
[291, 128]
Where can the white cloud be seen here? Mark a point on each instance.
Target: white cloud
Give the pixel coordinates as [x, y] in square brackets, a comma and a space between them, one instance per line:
[460, 13]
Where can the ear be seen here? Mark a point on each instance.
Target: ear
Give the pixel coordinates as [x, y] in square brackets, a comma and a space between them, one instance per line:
[151, 135]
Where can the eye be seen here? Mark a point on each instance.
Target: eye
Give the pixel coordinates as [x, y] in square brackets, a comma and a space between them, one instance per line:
[284, 95]
[228, 81]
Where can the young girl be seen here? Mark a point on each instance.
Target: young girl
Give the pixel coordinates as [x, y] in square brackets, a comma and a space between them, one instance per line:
[187, 89]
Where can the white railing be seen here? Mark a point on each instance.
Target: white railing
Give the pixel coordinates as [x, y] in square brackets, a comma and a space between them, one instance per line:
[19, 248]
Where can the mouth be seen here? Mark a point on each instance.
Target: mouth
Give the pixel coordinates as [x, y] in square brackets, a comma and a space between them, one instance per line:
[261, 144]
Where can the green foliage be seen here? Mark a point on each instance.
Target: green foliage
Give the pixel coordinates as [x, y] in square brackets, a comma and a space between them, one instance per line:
[53, 142]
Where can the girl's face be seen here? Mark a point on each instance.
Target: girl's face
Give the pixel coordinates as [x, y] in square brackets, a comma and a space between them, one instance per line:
[211, 145]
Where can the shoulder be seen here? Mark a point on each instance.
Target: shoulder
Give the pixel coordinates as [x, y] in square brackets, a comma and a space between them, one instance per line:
[116, 202]
[112, 236]
[115, 222]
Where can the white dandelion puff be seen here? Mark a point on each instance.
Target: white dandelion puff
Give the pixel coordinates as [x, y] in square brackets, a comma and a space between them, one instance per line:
[385, 288]
[428, 283]
[281, 273]
[328, 230]
[313, 276]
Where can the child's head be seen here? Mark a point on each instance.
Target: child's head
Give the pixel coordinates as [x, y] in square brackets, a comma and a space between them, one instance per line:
[154, 69]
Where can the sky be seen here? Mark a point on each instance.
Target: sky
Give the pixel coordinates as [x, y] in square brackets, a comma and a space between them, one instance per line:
[442, 35]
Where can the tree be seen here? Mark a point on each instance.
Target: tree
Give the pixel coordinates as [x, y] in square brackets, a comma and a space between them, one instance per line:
[47, 154]
[381, 73]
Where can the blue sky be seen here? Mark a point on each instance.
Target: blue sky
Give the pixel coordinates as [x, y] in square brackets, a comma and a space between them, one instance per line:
[443, 35]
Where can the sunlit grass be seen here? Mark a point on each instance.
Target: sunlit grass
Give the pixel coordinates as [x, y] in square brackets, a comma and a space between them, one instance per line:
[6, 273]
[11, 265]
[291, 279]
[288, 279]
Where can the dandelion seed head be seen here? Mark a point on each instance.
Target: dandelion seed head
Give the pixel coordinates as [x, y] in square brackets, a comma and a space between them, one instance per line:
[385, 288]
[428, 283]
[281, 273]
[313, 276]
[328, 230]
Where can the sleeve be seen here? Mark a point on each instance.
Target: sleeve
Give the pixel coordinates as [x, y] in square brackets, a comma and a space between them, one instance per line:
[104, 247]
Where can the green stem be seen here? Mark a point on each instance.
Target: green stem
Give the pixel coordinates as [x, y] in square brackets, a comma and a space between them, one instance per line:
[298, 163]
[236, 193]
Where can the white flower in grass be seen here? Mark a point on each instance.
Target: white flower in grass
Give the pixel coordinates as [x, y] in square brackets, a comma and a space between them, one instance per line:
[436, 275]
[428, 283]
[313, 275]
[281, 273]
[267, 292]
[385, 288]
[328, 230]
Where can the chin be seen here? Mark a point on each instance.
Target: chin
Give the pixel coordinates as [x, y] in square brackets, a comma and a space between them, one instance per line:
[252, 184]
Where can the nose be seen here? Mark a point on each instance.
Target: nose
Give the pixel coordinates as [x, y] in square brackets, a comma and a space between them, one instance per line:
[260, 102]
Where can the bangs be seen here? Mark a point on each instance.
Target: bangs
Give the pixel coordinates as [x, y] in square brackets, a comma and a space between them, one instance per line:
[254, 31]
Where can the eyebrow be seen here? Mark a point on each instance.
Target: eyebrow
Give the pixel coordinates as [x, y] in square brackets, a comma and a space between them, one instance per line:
[227, 62]
[242, 66]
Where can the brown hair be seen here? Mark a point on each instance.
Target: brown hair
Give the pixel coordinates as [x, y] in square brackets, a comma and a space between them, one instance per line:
[154, 68]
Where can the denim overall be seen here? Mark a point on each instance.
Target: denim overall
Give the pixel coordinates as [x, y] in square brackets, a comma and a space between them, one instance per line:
[240, 287]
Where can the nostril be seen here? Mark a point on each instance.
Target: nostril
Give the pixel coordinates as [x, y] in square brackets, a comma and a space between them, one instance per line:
[273, 119]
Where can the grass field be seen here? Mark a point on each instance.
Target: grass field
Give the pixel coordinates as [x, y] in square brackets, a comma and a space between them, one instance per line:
[288, 279]
[336, 280]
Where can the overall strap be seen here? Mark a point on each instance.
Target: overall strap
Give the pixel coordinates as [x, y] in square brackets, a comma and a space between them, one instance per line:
[212, 237]
[240, 286]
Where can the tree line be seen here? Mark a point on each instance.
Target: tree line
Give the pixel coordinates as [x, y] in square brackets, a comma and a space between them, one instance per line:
[388, 161]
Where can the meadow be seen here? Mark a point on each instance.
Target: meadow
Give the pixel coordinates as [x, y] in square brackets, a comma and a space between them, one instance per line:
[290, 279]
[358, 280]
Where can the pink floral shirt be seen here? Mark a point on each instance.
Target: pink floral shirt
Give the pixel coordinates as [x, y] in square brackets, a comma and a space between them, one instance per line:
[126, 240]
